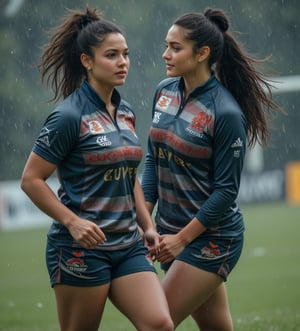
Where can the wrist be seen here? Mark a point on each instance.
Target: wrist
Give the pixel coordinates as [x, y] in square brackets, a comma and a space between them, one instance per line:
[147, 224]
[183, 238]
[69, 220]
[191, 231]
[149, 228]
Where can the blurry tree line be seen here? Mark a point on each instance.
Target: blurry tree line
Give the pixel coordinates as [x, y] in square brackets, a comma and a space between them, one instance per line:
[269, 27]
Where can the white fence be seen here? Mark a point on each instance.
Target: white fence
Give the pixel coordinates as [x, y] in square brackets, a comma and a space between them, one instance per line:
[16, 209]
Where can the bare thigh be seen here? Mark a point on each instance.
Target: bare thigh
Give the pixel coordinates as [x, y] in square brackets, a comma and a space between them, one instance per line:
[214, 314]
[140, 297]
[187, 288]
[80, 308]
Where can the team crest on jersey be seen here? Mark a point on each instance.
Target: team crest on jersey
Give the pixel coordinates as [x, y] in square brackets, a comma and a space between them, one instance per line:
[199, 124]
[201, 121]
[95, 127]
[163, 102]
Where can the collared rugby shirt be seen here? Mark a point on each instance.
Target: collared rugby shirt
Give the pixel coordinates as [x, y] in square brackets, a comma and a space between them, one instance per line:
[97, 158]
[195, 157]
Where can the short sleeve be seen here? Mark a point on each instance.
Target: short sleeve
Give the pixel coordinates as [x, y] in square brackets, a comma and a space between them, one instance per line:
[58, 135]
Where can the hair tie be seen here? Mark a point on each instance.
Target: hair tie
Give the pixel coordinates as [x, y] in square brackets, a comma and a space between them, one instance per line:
[85, 21]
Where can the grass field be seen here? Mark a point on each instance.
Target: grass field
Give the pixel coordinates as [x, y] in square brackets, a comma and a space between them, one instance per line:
[264, 289]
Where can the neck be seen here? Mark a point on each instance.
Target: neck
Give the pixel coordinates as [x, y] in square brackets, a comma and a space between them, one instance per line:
[105, 93]
[193, 81]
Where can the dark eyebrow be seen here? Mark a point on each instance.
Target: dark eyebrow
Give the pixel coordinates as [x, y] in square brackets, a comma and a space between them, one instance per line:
[174, 43]
[116, 50]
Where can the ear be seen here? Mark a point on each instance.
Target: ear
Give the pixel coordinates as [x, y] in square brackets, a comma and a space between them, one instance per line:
[86, 61]
[203, 53]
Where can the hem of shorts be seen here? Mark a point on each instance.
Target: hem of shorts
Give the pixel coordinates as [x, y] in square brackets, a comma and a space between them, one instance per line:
[136, 271]
[80, 285]
[90, 284]
[203, 268]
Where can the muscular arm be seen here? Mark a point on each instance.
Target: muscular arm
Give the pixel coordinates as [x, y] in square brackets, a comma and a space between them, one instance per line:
[37, 170]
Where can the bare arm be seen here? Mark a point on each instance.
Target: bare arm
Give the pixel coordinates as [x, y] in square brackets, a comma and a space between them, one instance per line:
[144, 218]
[191, 231]
[150, 207]
[37, 170]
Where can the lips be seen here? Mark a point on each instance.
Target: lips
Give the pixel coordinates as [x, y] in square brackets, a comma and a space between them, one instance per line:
[121, 73]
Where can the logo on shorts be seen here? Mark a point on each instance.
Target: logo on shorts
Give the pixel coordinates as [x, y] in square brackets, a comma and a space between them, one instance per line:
[209, 252]
[76, 265]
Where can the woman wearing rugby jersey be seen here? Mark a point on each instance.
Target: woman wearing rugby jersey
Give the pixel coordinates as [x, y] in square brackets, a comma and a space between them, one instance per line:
[204, 114]
[94, 247]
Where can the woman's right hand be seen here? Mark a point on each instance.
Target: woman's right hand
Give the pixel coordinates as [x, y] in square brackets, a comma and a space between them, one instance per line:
[86, 233]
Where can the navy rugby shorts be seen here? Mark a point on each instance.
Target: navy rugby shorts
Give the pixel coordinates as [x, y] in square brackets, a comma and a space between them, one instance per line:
[213, 254]
[92, 267]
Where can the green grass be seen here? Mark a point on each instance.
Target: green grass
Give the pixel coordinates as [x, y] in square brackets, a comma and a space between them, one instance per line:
[264, 289]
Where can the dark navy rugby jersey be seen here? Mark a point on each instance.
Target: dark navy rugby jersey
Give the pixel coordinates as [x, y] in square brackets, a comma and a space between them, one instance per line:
[97, 158]
[195, 157]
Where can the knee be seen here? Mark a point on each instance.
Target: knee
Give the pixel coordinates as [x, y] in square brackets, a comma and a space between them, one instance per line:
[168, 326]
[157, 323]
[165, 324]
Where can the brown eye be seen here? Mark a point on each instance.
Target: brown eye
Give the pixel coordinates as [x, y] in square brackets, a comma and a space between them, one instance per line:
[111, 55]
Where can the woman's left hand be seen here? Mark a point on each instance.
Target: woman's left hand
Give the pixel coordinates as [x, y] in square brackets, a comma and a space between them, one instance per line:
[170, 247]
[151, 239]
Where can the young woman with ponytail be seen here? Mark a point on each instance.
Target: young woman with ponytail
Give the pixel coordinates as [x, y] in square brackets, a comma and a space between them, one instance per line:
[94, 246]
[212, 105]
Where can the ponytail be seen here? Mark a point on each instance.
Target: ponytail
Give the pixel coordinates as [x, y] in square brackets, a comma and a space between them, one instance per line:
[234, 68]
[80, 32]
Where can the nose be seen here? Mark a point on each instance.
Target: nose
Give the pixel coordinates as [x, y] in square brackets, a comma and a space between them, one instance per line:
[123, 60]
[165, 54]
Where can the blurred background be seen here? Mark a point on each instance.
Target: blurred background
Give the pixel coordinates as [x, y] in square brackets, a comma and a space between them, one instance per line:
[269, 27]
[264, 289]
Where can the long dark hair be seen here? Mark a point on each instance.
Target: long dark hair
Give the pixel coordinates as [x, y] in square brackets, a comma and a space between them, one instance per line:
[234, 68]
[80, 32]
